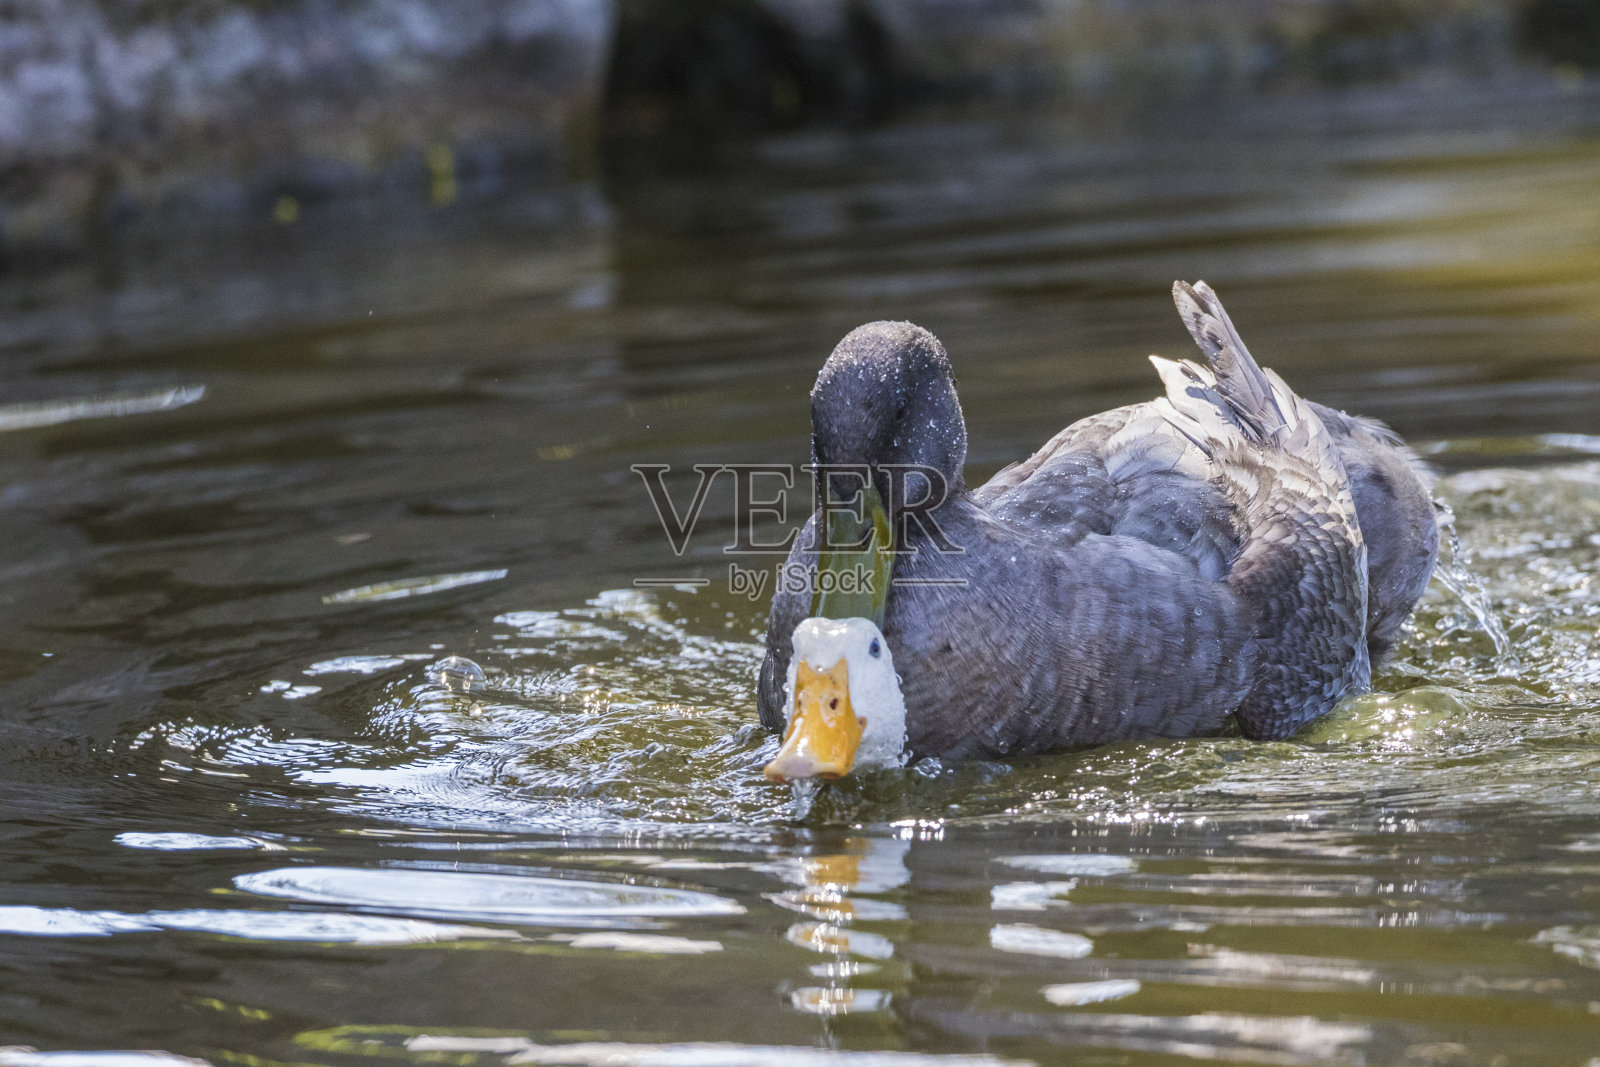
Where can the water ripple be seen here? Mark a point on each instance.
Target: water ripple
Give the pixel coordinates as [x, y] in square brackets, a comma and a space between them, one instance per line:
[524, 899]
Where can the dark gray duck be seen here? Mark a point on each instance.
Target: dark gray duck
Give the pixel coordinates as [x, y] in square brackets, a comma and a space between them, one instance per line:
[1229, 549]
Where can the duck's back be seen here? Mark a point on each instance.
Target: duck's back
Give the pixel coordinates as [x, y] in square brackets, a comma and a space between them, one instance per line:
[1122, 472]
[1242, 479]
[1126, 472]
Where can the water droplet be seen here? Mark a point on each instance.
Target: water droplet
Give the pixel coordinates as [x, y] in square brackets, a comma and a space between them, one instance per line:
[457, 673]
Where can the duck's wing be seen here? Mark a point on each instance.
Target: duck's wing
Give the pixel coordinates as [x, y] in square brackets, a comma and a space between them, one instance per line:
[1124, 473]
[1032, 650]
[1302, 563]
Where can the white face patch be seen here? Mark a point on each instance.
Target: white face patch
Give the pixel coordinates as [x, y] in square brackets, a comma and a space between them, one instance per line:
[874, 686]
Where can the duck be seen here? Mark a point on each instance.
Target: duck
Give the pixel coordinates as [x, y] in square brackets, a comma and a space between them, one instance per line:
[1227, 553]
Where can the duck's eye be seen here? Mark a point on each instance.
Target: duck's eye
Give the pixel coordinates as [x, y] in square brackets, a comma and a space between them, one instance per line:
[875, 650]
[833, 705]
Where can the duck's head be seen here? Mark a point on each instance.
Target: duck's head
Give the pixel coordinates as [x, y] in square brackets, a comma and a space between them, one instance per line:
[887, 433]
[845, 706]
[884, 411]
[886, 397]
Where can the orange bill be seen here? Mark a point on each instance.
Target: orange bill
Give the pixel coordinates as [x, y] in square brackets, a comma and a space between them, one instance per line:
[823, 729]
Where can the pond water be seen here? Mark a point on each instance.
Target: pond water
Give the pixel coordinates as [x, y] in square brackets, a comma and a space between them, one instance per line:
[261, 484]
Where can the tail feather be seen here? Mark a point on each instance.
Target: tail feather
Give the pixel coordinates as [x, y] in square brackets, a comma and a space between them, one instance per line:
[1302, 565]
[1250, 397]
[1249, 392]
[1193, 404]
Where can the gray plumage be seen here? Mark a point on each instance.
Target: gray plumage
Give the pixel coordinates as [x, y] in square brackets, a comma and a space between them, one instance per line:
[1227, 549]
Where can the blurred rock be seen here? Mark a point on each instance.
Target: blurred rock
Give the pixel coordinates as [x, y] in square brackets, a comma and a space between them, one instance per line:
[741, 64]
[1250, 44]
[112, 107]
[721, 65]
[1565, 31]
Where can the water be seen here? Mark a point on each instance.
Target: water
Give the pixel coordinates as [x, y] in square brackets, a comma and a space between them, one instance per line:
[336, 730]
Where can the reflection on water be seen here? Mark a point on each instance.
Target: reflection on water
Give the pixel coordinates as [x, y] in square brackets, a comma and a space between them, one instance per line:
[263, 925]
[610, 1054]
[1077, 994]
[337, 732]
[16, 1056]
[33, 416]
[519, 898]
[1023, 937]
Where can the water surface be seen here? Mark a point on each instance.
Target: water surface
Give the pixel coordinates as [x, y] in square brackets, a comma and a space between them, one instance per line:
[260, 486]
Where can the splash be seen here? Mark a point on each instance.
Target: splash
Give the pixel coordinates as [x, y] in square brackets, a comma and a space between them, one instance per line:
[1452, 573]
[803, 798]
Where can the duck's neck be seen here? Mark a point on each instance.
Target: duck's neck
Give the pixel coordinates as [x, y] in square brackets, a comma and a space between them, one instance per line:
[930, 521]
